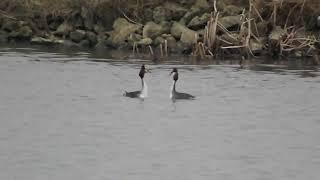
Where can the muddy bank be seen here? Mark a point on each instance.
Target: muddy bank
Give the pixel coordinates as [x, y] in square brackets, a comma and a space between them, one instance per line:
[206, 29]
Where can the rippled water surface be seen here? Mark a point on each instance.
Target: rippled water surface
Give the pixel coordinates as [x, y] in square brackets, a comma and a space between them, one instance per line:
[63, 117]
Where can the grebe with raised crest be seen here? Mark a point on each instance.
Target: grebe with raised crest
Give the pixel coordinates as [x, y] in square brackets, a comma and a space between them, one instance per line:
[174, 94]
[143, 93]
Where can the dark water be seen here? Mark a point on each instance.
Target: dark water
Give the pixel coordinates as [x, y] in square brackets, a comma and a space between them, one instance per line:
[63, 117]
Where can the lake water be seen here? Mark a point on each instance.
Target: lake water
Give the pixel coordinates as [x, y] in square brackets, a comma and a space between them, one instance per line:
[63, 117]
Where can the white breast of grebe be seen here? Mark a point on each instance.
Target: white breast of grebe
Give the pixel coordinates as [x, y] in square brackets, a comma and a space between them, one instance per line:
[171, 90]
[144, 91]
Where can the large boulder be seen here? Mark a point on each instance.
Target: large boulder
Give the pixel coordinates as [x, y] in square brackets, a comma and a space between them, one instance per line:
[199, 22]
[122, 30]
[188, 37]
[77, 35]
[177, 29]
[152, 30]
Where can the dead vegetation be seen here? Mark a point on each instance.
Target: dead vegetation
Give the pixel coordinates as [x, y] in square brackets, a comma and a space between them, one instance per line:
[277, 26]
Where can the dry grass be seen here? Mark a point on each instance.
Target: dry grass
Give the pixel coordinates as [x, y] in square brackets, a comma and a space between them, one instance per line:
[66, 7]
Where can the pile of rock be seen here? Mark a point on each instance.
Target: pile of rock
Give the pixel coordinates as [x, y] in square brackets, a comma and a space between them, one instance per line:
[181, 25]
[177, 25]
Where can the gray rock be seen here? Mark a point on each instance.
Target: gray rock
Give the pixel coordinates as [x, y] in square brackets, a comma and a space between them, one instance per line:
[202, 4]
[98, 28]
[171, 41]
[199, 22]
[200, 7]
[188, 37]
[262, 28]
[64, 29]
[166, 26]
[230, 21]
[77, 35]
[134, 37]
[161, 14]
[84, 43]
[189, 15]
[176, 10]
[187, 2]
[68, 43]
[77, 22]
[182, 48]
[148, 14]
[276, 33]
[24, 33]
[3, 37]
[53, 26]
[152, 30]
[255, 46]
[46, 41]
[178, 29]
[102, 44]
[158, 40]
[88, 19]
[122, 30]
[92, 37]
[232, 10]
[10, 25]
[145, 41]
[227, 38]
[318, 21]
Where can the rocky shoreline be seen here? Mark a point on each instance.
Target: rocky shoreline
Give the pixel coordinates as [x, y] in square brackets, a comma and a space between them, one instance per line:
[207, 29]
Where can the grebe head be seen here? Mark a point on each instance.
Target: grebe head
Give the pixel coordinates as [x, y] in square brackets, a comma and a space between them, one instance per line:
[175, 74]
[142, 71]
